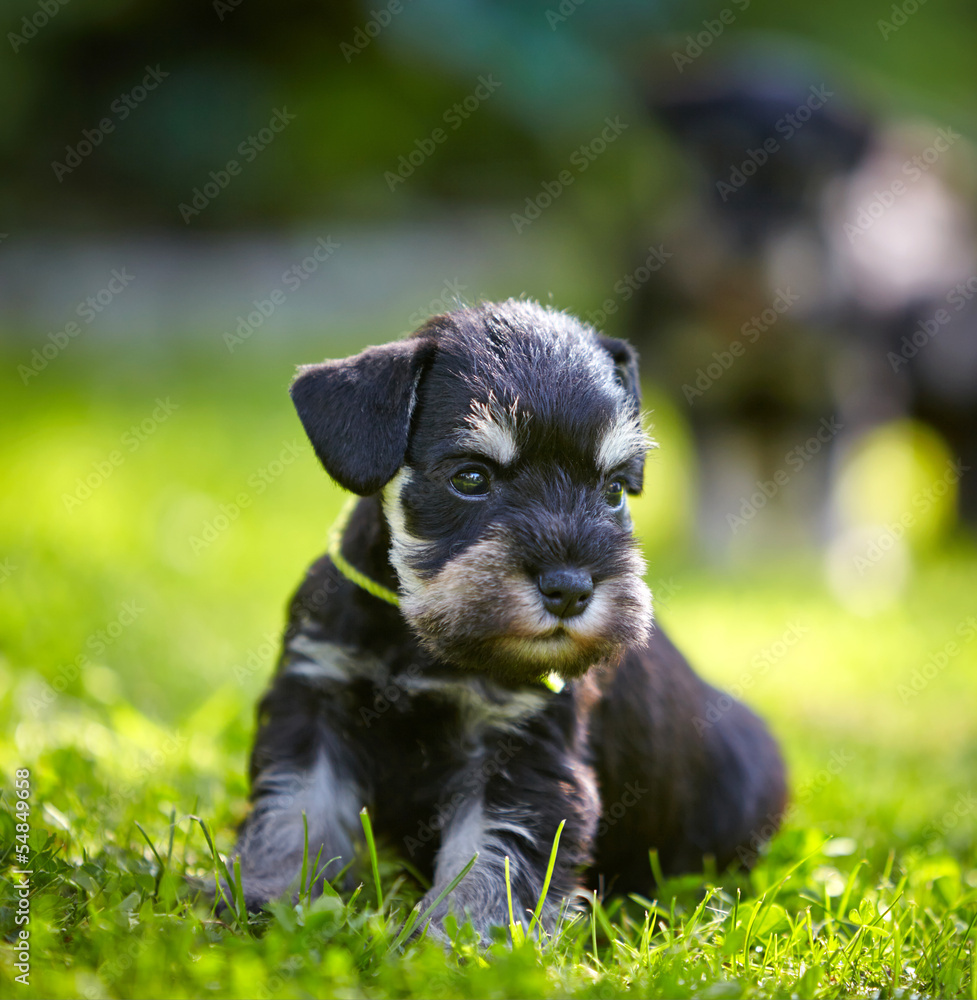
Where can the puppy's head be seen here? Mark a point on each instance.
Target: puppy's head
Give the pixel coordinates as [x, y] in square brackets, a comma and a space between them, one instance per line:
[504, 439]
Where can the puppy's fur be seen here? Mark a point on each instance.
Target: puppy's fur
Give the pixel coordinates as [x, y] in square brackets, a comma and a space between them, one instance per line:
[490, 449]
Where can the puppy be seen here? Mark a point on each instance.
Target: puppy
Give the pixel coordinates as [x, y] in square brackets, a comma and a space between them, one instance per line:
[474, 660]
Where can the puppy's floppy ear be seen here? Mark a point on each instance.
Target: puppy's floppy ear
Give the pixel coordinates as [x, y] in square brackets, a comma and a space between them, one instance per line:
[357, 411]
[626, 364]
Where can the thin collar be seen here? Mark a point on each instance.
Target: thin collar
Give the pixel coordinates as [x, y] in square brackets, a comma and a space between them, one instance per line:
[334, 550]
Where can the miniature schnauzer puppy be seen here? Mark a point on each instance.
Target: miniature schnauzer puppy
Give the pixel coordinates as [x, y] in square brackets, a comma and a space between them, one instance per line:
[474, 660]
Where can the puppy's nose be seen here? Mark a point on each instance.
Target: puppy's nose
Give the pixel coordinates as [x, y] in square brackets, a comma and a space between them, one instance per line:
[566, 592]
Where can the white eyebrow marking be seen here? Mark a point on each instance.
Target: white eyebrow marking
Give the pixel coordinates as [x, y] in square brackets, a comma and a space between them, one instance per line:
[492, 432]
[624, 439]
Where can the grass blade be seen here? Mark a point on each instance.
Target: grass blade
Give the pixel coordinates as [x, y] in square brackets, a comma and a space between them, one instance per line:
[159, 860]
[303, 875]
[372, 847]
[416, 917]
[549, 874]
[516, 933]
[242, 910]
[593, 928]
[236, 904]
[169, 849]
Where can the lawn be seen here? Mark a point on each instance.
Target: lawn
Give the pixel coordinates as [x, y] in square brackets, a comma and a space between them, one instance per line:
[160, 505]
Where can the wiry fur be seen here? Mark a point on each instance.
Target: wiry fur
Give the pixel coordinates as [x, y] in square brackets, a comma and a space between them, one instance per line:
[433, 714]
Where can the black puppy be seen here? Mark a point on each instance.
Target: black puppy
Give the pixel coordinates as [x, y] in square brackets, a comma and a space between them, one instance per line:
[474, 660]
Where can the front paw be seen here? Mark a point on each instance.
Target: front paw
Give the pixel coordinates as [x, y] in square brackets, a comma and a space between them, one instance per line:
[257, 894]
[482, 910]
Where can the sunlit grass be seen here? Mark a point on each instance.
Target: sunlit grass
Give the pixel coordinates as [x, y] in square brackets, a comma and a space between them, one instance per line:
[139, 625]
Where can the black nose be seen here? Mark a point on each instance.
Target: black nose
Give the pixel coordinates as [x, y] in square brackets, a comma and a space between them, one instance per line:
[566, 592]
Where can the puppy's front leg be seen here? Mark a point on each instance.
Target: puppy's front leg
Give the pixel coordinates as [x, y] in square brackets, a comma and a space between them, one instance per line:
[298, 767]
[515, 815]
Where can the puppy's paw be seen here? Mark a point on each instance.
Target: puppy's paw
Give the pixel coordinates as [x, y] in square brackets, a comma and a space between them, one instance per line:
[463, 919]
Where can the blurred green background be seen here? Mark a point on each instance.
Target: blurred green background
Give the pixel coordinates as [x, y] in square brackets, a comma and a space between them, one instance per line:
[159, 499]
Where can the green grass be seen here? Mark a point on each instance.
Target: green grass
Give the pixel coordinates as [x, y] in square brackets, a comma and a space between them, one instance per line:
[137, 631]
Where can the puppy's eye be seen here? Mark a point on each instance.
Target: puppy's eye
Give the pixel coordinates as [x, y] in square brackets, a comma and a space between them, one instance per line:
[470, 483]
[614, 494]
